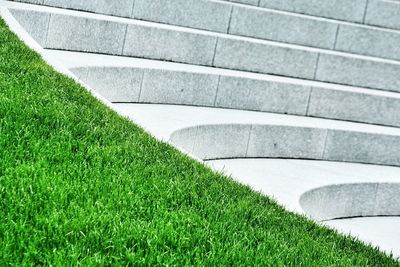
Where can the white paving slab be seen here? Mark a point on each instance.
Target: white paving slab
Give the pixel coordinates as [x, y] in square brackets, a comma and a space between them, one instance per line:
[383, 232]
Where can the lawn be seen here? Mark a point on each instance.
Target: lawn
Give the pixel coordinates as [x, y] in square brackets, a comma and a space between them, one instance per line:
[80, 185]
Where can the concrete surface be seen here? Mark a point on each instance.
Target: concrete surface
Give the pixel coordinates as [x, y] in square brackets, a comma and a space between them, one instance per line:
[165, 42]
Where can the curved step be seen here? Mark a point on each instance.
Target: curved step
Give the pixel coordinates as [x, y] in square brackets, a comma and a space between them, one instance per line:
[255, 22]
[131, 80]
[61, 30]
[212, 133]
[350, 200]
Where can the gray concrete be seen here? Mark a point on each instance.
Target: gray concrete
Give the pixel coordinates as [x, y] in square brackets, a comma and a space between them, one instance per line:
[220, 16]
[121, 8]
[271, 141]
[247, 2]
[348, 142]
[362, 147]
[383, 13]
[358, 71]
[206, 142]
[200, 14]
[281, 141]
[172, 83]
[266, 24]
[94, 36]
[369, 41]
[178, 46]
[211, 141]
[115, 84]
[336, 9]
[352, 200]
[354, 106]
[262, 95]
[258, 57]
[31, 1]
[203, 48]
[35, 23]
[183, 88]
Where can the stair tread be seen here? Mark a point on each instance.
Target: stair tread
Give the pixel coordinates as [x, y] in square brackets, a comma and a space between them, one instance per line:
[163, 120]
[71, 60]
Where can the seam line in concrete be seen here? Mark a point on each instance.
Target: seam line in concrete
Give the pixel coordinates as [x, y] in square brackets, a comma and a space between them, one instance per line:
[316, 66]
[326, 140]
[216, 91]
[215, 52]
[309, 100]
[248, 140]
[141, 85]
[365, 11]
[123, 43]
[47, 30]
[336, 36]
[132, 10]
[230, 20]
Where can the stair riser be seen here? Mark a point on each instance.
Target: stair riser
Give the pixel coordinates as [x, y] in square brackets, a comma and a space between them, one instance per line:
[352, 200]
[137, 85]
[101, 36]
[257, 23]
[378, 12]
[275, 141]
[372, 12]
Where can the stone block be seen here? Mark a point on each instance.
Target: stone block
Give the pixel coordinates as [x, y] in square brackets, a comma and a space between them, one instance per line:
[265, 58]
[358, 72]
[354, 106]
[387, 199]
[362, 147]
[383, 13]
[336, 9]
[170, 45]
[121, 8]
[35, 23]
[185, 139]
[369, 41]
[183, 88]
[221, 141]
[199, 14]
[340, 201]
[275, 141]
[262, 95]
[116, 84]
[85, 35]
[288, 28]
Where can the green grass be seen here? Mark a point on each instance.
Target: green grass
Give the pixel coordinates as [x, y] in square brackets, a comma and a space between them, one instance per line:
[81, 185]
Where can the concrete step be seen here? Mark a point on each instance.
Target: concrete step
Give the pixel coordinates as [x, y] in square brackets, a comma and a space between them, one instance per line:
[382, 13]
[79, 31]
[132, 80]
[212, 133]
[254, 22]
